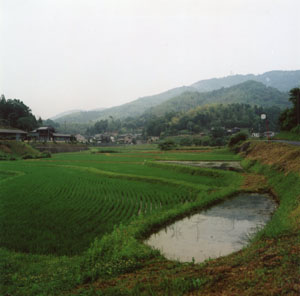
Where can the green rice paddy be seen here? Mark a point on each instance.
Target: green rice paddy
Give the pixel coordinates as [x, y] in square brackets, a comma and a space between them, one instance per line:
[74, 204]
[59, 205]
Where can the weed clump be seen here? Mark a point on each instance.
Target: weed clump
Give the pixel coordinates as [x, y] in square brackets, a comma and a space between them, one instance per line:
[238, 138]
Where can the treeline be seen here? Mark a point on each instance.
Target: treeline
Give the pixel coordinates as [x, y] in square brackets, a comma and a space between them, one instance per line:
[197, 120]
[290, 118]
[204, 118]
[14, 113]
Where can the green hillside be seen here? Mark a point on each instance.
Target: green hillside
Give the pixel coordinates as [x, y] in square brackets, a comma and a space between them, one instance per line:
[134, 108]
[281, 80]
[249, 92]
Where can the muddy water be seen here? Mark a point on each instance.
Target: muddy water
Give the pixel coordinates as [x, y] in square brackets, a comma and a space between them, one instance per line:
[225, 165]
[218, 231]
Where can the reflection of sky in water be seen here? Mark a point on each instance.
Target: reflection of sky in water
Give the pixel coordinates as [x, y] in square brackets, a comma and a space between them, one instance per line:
[219, 231]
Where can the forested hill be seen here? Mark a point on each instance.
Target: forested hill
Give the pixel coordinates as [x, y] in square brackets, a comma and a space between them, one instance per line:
[282, 80]
[134, 108]
[249, 92]
[203, 118]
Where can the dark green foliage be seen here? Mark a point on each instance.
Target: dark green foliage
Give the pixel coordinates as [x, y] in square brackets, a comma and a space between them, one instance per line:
[239, 137]
[27, 156]
[186, 141]
[249, 92]
[202, 119]
[15, 113]
[167, 145]
[290, 118]
[45, 154]
[50, 122]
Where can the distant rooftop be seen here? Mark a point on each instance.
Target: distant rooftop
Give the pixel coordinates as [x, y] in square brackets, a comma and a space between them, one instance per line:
[44, 128]
[12, 131]
[61, 135]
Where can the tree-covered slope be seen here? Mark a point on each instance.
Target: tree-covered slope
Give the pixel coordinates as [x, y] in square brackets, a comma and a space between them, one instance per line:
[134, 108]
[282, 80]
[203, 118]
[249, 92]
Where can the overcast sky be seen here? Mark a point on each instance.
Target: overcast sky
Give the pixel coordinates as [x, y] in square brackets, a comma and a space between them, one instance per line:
[59, 55]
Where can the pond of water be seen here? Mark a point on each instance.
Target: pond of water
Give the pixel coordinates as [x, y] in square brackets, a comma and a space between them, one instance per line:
[218, 231]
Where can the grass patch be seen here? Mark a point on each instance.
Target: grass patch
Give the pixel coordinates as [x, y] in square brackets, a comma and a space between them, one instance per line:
[289, 136]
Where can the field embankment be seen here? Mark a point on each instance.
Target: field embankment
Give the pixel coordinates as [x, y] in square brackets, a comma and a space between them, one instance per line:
[58, 147]
[12, 150]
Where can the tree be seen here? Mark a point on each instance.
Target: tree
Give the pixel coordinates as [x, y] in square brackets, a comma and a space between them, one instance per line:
[167, 145]
[15, 113]
[290, 117]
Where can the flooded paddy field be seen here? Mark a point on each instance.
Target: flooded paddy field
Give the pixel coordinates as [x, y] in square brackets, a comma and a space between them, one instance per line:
[225, 165]
[218, 231]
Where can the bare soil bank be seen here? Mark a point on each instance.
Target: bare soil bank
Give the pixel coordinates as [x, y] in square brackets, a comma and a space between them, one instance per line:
[282, 157]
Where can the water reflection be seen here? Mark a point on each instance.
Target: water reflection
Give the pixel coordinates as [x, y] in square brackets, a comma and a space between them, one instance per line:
[219, 231]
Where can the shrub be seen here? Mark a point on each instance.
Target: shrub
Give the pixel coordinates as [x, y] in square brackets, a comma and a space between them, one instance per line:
[27, 156]
[186, 142]
[167, 145]
[46, 154]
[296, 129]
[237, 138]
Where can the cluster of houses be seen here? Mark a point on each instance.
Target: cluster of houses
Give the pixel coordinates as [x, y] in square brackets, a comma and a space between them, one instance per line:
[42, 134]
[115, 138]
[47, 133]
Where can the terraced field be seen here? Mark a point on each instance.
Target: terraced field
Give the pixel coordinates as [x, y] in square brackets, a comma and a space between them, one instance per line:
[59, 206]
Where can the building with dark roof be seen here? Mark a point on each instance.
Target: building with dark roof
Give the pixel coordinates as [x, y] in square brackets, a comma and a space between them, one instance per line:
[61, 137]
[12, 134]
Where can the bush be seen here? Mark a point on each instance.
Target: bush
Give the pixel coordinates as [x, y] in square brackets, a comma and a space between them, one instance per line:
[46, 154]
[296, 129]
[167, 145]
[237, 138]
[186, 142]
[27, 156]
[3, 157]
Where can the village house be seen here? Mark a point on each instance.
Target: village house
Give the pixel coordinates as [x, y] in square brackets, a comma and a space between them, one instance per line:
[12, 134]
[61, 137]
[255, 135]
[47, 133]
[80, 138]
[126, 139]
[44, 133]
[269, 134]
[152, 139]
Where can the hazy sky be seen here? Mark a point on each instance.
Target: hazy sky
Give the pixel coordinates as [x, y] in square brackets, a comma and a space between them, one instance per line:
[58, 55]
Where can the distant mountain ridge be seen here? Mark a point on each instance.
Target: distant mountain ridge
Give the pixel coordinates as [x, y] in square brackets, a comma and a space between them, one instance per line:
[134, 108]
[281, 80]
[249, 92]
[65, 114]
